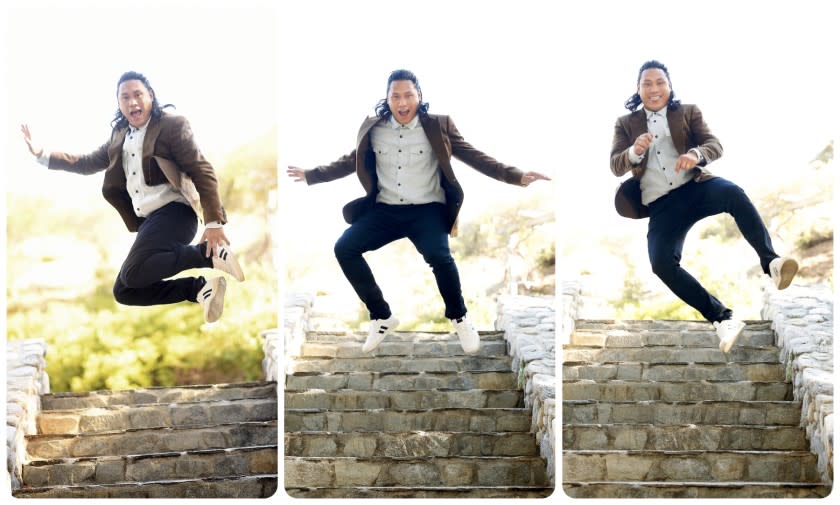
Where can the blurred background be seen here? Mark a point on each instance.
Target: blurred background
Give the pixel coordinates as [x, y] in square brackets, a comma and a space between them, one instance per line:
[766, 82]
[535, 84]
[65, 243]
[485, 64]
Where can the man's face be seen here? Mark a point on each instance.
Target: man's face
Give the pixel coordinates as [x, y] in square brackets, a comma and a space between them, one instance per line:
[403, 100]
[135, 102]
[654, 89]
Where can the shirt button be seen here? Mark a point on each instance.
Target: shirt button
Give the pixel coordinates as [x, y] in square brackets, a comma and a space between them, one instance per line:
[400, 150]
[399, 168]
[657, 136]
[399, 184]
[132, 155]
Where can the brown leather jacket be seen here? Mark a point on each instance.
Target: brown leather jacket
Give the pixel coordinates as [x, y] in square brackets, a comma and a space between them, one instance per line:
[446, 142]
[170, 156]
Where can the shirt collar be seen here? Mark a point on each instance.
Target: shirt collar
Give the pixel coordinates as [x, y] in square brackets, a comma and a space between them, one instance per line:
[662, 112]
[142, 129]
[411, 124]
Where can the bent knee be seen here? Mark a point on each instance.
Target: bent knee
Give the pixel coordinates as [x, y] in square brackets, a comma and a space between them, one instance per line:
[663, 268]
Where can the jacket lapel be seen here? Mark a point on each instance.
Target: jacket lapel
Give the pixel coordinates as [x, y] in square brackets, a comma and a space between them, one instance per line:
[675, 125]
[431, 126]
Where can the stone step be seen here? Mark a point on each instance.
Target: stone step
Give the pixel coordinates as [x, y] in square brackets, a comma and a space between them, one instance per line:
[154, 440]
[695, 490]
[403, 400]
[122, 417]
[683, 437]
[390, 364]
[690, 466]
[772, 413]
[375, 381]
[669, 325]
[414, 444]
[152, 467]
[422, 349]
[663, 333]
[423, 492]
[485, 420]
[639, 371]
[676, 391]
[671, 354]
[399, 336]
[249, 486]
[179, 394]
[449, 472]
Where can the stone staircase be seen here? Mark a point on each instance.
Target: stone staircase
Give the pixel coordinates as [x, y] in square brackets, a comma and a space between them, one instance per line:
[653, 409]
[215, 441]
[415, 418]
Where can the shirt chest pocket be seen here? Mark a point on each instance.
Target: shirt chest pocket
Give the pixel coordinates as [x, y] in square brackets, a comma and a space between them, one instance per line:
[384, 153]
[417, 155]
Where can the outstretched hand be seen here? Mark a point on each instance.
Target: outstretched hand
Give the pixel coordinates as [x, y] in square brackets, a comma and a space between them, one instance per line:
[34, 148]
[215, 238]
[529, 177]
[296, 173]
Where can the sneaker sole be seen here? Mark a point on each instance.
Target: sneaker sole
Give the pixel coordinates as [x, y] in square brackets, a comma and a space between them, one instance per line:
[787, 272]
[726, 346]
[217, 302]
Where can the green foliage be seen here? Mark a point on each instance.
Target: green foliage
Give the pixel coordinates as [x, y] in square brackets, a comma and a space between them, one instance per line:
[95, 343]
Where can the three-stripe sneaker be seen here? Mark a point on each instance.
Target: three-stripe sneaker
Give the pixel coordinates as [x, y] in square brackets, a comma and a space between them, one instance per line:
[226, 262]
[379, 329]
[211, 297]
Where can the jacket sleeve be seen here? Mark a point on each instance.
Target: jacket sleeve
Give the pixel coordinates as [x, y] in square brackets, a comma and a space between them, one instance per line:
[619, 159]
[84, 164]
[702, 137]
[186, 154]
[342, 167]
[476, 159]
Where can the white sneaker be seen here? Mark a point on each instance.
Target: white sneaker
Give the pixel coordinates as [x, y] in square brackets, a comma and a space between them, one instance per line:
[226, 262]
[728, 332]
[212, 298]
[466, 334]
[378, 330]
[782, 271]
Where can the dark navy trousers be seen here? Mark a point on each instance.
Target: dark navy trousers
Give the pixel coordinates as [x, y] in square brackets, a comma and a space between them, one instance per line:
[425, 226]
[161, 250]
[672, 215]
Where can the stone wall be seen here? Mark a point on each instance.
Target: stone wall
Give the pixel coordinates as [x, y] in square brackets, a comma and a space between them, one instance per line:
[530, 329]
[803, 319]
[271, 354]
[26, 380]
[296, 311]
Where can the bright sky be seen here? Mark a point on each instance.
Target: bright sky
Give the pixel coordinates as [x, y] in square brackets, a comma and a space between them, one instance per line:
[216, 64]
